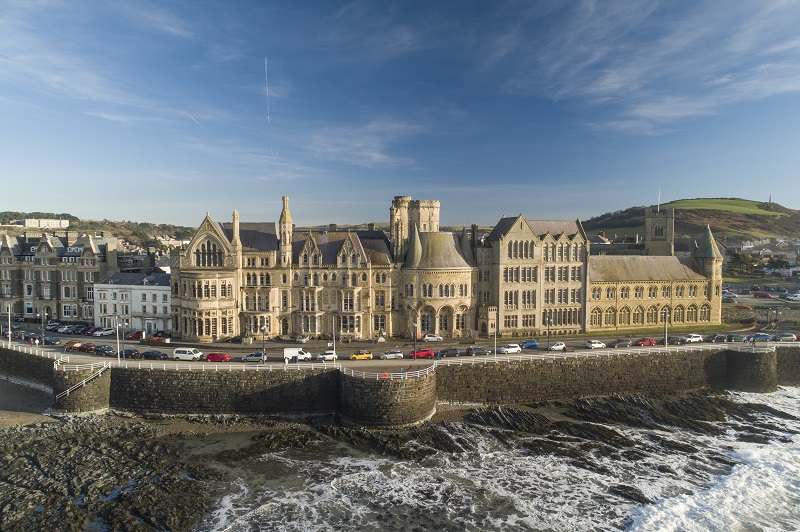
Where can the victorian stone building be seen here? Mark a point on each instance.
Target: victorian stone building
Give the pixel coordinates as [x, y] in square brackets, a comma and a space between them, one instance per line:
[524, 277]
[51, 276]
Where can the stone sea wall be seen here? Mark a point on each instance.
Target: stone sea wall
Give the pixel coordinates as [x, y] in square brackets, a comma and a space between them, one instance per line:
[392, 403]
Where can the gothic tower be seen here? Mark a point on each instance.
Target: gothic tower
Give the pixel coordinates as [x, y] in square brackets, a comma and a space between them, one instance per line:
[285, 229]
[659, 232]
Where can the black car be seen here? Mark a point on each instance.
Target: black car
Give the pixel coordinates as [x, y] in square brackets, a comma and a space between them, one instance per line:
[622, 342]
[105, 350]
[154, 355]
[474, 351]
[131, 353]
[717, 338]
[234, 340]
[52, 340]
[450, 352]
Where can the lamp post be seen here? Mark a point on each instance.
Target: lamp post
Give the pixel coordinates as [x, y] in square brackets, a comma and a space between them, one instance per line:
[41, 335]
[263, 341]
[415, 338]
[116, 328]
[666, 321]
[549, 323]
[496, 324]
[124, 324]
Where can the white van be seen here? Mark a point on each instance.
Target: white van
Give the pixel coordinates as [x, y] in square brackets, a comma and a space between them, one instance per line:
[289, 354]
[186, 353]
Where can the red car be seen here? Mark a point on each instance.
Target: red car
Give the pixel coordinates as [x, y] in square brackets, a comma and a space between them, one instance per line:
[645, 341]
[218, 357]
[136, 335]
[422, 352]
[88, 348]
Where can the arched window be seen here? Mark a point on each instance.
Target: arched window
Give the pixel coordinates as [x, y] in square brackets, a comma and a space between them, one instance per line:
[678, 314]
[638, 316]
[595, 317]
[625, 316]
[691, 314]
[658, 231]
[705, 313]
[510, 250]
[611, 315]
[213, 289]
[652, 314]
[610, 292]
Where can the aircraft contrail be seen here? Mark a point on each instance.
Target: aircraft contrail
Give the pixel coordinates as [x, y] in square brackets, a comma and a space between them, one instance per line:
[193, 118]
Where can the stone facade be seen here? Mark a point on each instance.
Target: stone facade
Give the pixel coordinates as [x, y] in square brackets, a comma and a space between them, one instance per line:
[523, 278]
[140, 302]
[51, 276]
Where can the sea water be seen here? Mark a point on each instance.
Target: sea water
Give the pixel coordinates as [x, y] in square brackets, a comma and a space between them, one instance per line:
[696, 481]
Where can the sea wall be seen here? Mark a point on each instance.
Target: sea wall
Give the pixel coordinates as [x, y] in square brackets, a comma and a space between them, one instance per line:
[393, 403]
[224, 392]
[27, 366]
[788, 365]
[388, 402]
[568, 378]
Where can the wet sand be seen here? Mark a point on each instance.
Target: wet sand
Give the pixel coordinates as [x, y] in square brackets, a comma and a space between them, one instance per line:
[23, 405]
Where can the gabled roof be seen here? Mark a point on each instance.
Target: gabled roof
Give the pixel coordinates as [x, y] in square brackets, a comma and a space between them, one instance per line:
[255, 236]
[372, 246]
[539, 227]
[632, 268]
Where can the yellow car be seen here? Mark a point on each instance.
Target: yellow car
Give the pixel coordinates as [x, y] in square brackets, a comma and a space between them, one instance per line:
[361, 355]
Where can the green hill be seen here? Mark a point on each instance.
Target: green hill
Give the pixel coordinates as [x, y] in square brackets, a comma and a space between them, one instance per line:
[729, 218]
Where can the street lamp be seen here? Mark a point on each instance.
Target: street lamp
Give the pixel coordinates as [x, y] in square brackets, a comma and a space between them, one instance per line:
[41, 335]
[415, 338]
[496, 325]
[263, 344]
[666, 321]
[116, 328]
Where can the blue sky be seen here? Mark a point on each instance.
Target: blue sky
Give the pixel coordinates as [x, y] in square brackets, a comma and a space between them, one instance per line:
[161, 111]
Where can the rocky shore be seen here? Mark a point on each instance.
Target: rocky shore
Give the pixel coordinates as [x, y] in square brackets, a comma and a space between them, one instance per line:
[123, 472]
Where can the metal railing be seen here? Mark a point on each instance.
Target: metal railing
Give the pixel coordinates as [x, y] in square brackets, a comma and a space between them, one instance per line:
[385, 375]
[85, 381]
[224, 366]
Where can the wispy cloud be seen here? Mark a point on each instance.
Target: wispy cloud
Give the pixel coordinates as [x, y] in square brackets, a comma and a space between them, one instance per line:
[695, 60]
[366, 145]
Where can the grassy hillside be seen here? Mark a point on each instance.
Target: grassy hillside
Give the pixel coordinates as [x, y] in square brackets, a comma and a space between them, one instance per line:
[732, 218]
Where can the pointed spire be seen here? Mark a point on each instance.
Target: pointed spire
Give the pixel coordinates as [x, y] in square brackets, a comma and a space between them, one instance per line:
[707, 248]
[414, 254]
[286, 217]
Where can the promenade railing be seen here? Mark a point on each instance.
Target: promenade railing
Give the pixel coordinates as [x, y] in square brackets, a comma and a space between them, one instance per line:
[385, 375]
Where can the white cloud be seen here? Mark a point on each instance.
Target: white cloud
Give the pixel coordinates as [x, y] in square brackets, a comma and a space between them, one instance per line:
[366, 145]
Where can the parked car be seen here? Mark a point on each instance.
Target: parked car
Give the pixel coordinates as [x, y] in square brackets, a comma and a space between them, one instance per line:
[735, 338]
[475, 350]
[558, 346]
[135, 335]
[187, 353]
[622, 342]
[302, 339]
[717, 338]
[422, 352]
[643, 342]
[691, 338]
[529, 344]
[449, 352]
[72, 344]
[391, 354]
[154, 355]
[87, 347]
[509, 349]
[52, 340]
[327, 356]
[235, 340]
[595, 344]
[131, 353]
[762, 295]
[793, 297]
[218, 357]
[727, 293]
[761, 337]
[105, 350]
[105, 331]
[786, 337]
[431, 338]
[361, 354]
[90, 331]
[259, 357]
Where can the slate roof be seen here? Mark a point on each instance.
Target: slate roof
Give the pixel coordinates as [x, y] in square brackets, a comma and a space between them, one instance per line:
[435, 251]
[137, 279]
[255, 236]
[632, 268]
[707, 248]
[538, 227]
[373, 245]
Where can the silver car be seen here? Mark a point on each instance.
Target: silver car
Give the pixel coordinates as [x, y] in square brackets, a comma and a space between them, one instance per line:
[391, 354]
[259, 357]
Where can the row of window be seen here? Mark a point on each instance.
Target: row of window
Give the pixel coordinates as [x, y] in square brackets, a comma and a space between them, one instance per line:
[652, 292]
[651, 316]
[526, 249]
[441, 290]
